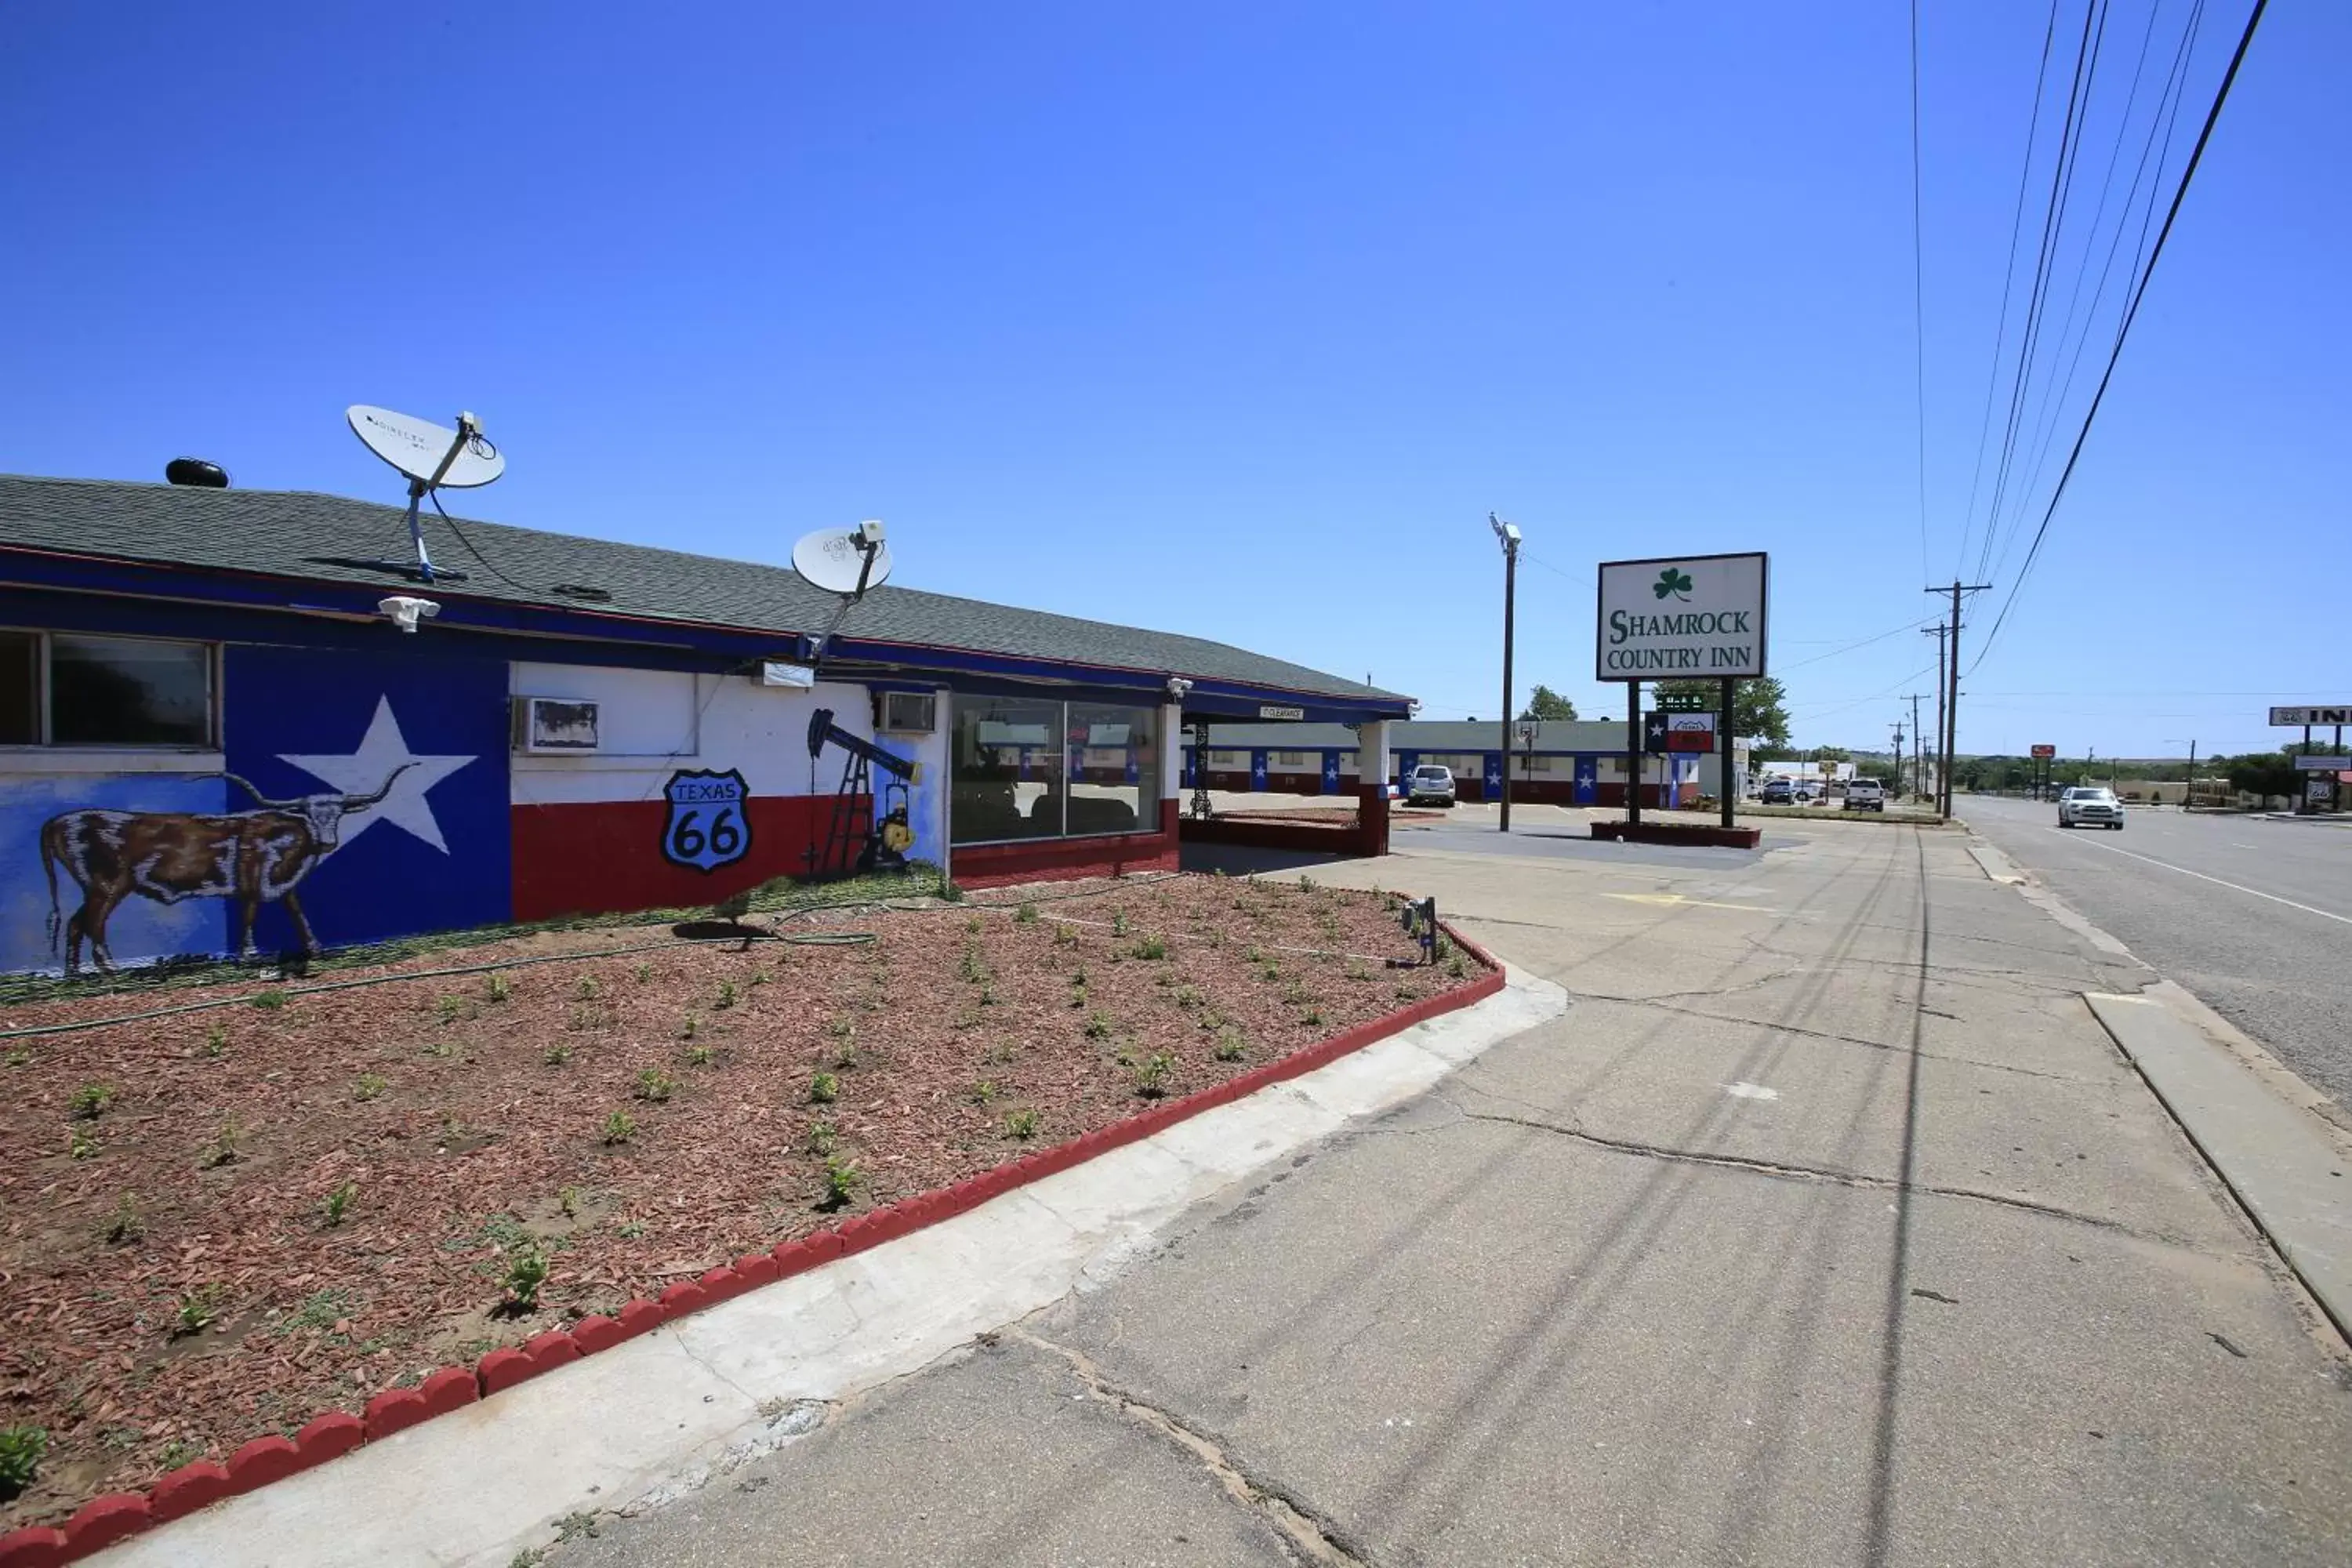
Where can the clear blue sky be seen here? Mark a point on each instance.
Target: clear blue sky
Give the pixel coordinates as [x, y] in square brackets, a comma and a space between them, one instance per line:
[1228, 319]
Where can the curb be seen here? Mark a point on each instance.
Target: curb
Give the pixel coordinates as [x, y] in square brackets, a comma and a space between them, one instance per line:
[106, 1520]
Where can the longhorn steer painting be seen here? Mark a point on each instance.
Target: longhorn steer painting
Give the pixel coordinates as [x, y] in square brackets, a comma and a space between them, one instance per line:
[254, 856]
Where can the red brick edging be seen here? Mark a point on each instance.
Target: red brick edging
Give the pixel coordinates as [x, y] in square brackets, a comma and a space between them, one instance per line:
[103, 1520]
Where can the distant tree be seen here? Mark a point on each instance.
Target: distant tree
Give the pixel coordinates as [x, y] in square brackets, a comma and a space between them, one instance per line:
[2260, 773]
[1759, 706]
[1887, 773]
[1547, 706]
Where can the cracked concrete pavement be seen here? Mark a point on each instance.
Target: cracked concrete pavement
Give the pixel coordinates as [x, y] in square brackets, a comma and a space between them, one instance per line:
[1827, 1226]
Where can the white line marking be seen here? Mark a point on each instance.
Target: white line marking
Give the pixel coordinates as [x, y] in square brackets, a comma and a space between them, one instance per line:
[2234, 886]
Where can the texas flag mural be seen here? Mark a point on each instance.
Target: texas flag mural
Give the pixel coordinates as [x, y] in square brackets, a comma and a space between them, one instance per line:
[407, 754]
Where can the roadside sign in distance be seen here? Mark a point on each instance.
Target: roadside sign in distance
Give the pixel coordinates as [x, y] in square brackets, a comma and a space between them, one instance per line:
[2326, 713]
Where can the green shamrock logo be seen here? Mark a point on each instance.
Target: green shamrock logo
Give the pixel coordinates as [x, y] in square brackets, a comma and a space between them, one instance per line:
[1673, 579]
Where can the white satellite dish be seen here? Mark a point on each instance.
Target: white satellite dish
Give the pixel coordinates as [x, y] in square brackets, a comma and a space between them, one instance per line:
[431, 455]
[843, 560]
[840, 561]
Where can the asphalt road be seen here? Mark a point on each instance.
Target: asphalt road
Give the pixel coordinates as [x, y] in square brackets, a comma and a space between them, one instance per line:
[2254, 916]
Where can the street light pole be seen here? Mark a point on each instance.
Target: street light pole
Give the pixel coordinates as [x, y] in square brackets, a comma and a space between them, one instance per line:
[1508, 534]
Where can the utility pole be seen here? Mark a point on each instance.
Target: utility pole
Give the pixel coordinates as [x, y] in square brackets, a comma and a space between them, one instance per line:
[1898, 755]
[1937, 632]
[1508, 534]
[1918, 758]
[1951, 725]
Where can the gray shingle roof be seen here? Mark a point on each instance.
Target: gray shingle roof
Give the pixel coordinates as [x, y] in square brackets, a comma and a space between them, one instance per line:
[322, 538]
[1439, 735]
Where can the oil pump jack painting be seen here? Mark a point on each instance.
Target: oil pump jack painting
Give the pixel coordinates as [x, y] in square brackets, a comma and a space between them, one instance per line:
[256, 856]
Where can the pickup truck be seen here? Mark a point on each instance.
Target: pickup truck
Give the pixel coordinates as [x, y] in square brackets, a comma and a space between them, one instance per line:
[1866, 795]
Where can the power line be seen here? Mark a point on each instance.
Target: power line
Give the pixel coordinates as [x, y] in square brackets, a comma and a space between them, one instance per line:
[2054, 224]
[2008, 281]
[2167, 121]
[1918, 295]
[2131, 313]
[1835, 652]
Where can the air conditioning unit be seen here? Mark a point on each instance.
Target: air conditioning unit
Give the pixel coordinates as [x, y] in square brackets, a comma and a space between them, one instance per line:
[909, 712]
[555, 726]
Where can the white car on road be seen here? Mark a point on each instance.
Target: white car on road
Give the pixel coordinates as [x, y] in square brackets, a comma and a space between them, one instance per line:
[2086, 808]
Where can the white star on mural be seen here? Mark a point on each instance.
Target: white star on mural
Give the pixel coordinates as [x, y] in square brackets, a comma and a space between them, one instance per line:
[382, 749]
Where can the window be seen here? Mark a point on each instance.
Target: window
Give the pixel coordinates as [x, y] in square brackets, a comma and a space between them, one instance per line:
[1540, 763]
[69, 688]
[1292, 760]
[1024, 769]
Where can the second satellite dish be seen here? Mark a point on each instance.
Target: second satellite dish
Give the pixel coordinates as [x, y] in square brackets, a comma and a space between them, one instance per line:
[430, 454]
[843, 560]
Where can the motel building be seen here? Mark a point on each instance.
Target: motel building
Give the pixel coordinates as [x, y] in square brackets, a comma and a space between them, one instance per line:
[1575, 762]
[215, 739]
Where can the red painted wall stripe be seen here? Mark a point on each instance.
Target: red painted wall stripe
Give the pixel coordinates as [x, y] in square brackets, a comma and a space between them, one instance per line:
[605, 856]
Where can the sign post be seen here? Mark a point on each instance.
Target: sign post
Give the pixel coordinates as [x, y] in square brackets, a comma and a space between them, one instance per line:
[1685, 617]
[2336, 715]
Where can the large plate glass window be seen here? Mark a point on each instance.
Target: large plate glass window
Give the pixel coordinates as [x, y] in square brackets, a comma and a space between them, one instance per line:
[72, 689]
[1004, 771]
[1115, 786]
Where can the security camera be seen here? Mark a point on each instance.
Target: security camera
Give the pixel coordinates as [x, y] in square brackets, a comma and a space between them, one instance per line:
[1178, 686]
[1413, 707]
[404, 612]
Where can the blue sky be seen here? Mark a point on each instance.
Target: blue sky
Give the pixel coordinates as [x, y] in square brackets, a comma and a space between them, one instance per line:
[1230, 318]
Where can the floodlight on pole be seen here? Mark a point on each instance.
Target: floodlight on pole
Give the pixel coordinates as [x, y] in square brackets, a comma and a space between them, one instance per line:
[1507, 535]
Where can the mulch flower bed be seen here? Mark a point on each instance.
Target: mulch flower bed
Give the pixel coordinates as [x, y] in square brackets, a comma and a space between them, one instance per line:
[216, 1224]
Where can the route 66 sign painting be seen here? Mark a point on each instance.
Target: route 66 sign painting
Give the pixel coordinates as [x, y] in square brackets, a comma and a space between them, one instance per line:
[706, 826]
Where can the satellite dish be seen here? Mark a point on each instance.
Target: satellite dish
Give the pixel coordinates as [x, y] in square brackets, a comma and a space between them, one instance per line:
[843, 560]
[431, 455]
[838, 559]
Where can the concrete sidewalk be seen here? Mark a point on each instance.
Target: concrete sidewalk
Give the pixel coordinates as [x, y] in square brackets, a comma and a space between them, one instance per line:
[1828, 1226]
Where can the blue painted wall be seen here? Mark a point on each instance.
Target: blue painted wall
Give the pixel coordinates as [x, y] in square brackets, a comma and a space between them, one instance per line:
[435, 853]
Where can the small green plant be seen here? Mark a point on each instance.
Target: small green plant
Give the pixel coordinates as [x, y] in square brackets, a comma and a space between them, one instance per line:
[529, 1557]
[1003, 1051]
[1065, 934]
[215, 1042]
[179, 1451]
[19, 1058]
[339, 1202]
[727, 995]
[1078, 975]
[586, 991]
[1296, 993]
[1357, 969]
[1077, 995]
[1213, 937]
[643, 971]
[1119, 922]
[1406, 991]
[438, 1048]
[1151, 948]
[567, 1203]
[270, 1000]
[449, 1009]
[21, 1449]
[691, 1028]
[1455, 968]
[368, 1086]
[90, 1100]
[227, 1145]
[841, 1028]
[197, 1310]
[500, 988]
[526, 1272]
[842, 1180]
[1021, 1123]
[1271, 973]
[1026, 915]
[987, 998]
[757, 977]
[1253, 954]
[1188, 996]
[821, 1137]
[124, 1224]
[974, 968]
[629, 1230]
[825, 1088]
[655, 1085]
[845, 1057]
[986, 1092]
[556, 1056]
[1312, 1017]
[79, 1144]
[619, 1128]
[1229, 1048]
[1098, 1025]
[1150, 1075]
[698, 1055]
[975, 925]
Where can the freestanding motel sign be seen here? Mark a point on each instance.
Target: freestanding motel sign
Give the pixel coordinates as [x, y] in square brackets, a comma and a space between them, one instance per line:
[1681, 617]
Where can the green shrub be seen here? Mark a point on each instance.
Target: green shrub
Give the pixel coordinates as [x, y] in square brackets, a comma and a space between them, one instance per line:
[270, 1000]
[79, 1144]
[620, 1127]
[1066, 935]
[1022, 1123]
[823, 1140]
[124, 1224]
[655, 1085]
[338, 1202]
[842, 1180]
[556, 1056]
[367, 1087]
[90, 1100]
[197, 1309]
[1151, 948]
[21, 1449]
[1098, 1025]
[1026, 915]
[1150, 1075]
[225, 1145]
[825, 1088]
[500, 988]
[1229, 1045]
[526, 1272]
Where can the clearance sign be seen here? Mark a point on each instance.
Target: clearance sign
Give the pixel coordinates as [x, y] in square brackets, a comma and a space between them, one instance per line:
[1681, 618]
